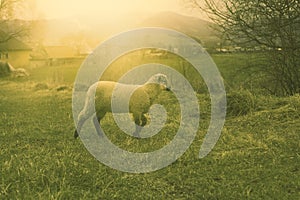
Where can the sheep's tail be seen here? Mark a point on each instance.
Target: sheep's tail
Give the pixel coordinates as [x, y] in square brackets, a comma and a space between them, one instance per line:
[87, 110]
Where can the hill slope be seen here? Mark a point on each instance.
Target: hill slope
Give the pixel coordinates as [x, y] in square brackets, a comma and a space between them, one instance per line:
[195, 27]
[94, 30]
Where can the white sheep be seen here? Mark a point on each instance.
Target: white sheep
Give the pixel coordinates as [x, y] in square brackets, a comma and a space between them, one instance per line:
[7, 69]
[139, 104]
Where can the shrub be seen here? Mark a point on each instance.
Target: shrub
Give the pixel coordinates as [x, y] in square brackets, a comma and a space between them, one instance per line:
[239, 102]
[62, 88]
[294, 101]
[41, 86]
[4, 69]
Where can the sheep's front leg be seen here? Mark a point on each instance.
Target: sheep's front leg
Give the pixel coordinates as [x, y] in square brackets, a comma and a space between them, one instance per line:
[140, 121]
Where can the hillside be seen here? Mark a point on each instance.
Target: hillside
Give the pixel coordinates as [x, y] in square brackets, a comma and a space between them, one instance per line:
[192, 26]
[93, 30]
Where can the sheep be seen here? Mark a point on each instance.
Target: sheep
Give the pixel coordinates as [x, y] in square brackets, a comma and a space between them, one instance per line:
[19, 72]
[7, 69]
[140, 101]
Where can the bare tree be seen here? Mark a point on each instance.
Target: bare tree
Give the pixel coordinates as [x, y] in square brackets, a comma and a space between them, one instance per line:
[272, 25]
[9, 29]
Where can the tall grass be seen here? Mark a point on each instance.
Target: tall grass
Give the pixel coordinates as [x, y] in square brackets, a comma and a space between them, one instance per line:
[256, 157]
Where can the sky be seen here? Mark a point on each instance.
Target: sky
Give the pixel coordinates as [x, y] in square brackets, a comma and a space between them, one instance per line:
[56, 9]
[105, 8]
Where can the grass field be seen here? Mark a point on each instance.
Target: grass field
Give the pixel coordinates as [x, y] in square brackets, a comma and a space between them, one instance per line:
[256, 157]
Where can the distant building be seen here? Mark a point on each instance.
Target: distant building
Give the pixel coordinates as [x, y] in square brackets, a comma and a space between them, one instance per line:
[14, 51]
[59, 55]
[53, 55]
[84, 50]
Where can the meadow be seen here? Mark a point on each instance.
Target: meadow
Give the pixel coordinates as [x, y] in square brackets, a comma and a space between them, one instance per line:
[256, 157]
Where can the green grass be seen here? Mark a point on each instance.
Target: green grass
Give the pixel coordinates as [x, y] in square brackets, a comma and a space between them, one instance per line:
[257, 156]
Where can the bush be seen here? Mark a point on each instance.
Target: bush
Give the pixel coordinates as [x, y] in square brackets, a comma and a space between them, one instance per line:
[62, 88]
[41, 86]
[294, 102]
[239, 102]
[4, 69]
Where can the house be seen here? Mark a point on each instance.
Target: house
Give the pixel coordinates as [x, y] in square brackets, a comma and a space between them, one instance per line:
[53, 55]
[84, 50]
[14, 51]
[58, 55]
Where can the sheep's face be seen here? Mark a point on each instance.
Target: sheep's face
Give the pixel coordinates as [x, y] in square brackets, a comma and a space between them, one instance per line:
[162, 80]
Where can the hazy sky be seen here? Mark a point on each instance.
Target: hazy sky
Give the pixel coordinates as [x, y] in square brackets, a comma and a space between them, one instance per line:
[107, 8]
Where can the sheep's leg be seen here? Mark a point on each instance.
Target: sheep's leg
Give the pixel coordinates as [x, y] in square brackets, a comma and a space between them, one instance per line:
[96, 121]
[137, 125]
[85, 113]
[140, 121]
[143, 120]
[82, 118]
[137, 131]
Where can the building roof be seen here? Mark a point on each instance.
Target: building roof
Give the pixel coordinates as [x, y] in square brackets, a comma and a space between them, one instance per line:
[12, 44]
[60, 52]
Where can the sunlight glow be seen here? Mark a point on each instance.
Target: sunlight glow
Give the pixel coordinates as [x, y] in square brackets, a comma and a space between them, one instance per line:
[103, 8]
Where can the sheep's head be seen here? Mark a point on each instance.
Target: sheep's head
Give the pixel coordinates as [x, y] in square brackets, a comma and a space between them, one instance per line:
[162, 80]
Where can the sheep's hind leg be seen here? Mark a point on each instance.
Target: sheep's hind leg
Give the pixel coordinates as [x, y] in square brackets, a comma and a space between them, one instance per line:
[96, 122]
[82, 119]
